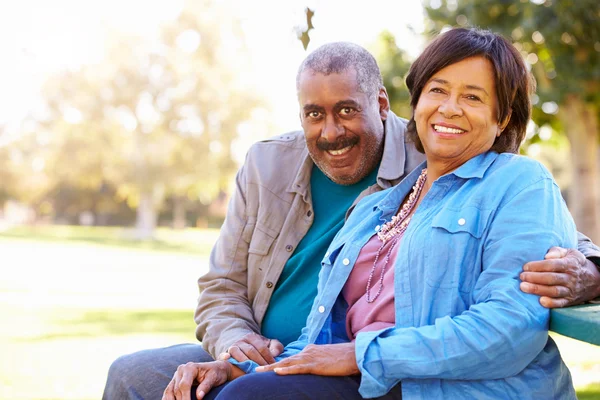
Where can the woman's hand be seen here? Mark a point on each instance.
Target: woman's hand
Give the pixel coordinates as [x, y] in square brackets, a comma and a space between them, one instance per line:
[327, 359]
[207, 375]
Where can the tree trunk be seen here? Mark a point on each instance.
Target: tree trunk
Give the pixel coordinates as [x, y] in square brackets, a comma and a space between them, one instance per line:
[581, 126]
[179, 220]
[145, 221]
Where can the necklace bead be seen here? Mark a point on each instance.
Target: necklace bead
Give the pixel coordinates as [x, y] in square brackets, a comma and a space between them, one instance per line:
[393, 230]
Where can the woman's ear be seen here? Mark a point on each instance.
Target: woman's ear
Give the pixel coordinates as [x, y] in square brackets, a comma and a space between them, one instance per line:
[504, 124]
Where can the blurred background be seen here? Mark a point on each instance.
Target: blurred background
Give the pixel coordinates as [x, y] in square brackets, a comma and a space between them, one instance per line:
[123, 122]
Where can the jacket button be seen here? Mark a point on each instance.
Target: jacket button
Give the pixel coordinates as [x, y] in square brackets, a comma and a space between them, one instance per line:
[321, 309]
[289, 247]
[345, 261]
[269, 285]
[461, 221]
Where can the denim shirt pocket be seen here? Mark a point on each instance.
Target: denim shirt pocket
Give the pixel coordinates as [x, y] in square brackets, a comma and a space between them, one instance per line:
[453, 260]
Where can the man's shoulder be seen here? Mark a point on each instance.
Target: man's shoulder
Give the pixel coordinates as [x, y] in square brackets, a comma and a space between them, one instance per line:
[273, 162]
[290, 141]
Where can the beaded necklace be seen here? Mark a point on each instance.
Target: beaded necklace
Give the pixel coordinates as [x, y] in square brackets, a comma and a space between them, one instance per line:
[392, 230]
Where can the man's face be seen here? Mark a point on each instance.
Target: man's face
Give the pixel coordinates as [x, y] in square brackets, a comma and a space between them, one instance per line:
[343, 127]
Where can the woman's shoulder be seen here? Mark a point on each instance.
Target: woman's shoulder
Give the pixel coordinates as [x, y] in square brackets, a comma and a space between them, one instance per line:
[518, 169]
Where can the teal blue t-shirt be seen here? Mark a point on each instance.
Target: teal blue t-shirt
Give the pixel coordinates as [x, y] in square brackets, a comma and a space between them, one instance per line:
[297, 286]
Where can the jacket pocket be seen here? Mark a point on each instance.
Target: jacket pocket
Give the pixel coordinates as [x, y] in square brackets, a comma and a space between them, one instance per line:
[453, 259]
[262, 240]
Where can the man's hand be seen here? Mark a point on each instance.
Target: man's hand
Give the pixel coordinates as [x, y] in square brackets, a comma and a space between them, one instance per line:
[207, 375]
[564, 278]
[327, 360]
[254, 347]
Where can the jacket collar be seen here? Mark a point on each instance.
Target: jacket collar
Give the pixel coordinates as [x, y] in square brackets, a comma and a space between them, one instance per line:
[391, 168]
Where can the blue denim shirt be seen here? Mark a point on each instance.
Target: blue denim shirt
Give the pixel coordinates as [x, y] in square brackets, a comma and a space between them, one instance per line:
[463, 328]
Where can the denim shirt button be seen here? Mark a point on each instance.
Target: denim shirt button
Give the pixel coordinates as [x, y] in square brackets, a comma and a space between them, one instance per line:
[377, 228]
[345, 261]
[461, 221]
[321, 309]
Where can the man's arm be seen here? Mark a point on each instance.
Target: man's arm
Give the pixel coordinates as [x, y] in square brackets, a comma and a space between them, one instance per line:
[224, 314]
[565, 277]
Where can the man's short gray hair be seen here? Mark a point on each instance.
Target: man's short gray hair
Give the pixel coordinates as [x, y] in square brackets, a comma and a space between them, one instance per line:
[339, 57]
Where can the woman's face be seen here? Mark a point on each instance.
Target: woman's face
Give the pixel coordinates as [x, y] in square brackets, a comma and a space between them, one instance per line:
[456, 113]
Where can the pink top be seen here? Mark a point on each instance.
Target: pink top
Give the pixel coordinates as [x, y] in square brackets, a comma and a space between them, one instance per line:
[363, 316]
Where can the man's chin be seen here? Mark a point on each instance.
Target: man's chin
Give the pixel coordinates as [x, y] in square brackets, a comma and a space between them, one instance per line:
[345, 179]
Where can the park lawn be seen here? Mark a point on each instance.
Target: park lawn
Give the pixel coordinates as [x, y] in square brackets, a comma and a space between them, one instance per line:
[65, 353]
[72, 302]
[189, 241]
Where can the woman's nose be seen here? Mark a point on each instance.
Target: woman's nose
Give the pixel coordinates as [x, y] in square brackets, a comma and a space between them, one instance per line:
[450, 108]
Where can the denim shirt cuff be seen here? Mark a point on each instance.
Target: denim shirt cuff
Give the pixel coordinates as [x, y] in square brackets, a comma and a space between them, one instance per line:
[373, 382]
[247, 366]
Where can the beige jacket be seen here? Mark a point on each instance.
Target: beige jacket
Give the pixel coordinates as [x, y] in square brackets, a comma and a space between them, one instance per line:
[269, 213]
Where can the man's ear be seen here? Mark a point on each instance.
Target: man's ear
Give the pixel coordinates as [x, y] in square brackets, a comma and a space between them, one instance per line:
[384, 103]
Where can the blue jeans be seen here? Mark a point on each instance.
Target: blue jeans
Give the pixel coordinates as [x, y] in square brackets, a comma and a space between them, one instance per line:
[270, 386]
[145, 375]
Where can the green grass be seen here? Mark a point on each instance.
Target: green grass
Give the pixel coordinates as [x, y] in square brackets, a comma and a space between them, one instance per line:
[591, 392]
[65, 353]
[56, 349]
[189, 241]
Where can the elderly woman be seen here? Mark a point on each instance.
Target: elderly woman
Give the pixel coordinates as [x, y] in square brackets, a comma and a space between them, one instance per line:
[419, 294]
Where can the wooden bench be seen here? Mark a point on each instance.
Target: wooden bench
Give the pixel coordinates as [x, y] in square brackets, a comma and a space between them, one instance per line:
[578, 322]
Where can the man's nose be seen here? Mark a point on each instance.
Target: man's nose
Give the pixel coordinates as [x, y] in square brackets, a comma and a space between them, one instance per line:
[450, 108]
[332, 129]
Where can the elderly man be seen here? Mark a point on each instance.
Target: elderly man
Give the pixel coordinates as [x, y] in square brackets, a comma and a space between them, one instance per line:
[291, 197]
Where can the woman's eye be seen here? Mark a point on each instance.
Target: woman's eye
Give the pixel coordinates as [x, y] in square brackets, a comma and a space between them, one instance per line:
[473, 97]
[436, 90]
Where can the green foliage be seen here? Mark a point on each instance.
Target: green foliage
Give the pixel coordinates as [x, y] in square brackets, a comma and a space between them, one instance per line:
[394, 65]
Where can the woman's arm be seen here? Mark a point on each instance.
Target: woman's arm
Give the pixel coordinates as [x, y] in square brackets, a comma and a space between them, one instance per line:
[505, 329]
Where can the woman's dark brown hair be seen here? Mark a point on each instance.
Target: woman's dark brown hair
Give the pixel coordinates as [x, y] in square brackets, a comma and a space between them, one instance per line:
[513, 82]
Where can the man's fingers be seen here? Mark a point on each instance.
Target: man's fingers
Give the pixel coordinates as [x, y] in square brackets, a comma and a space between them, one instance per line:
[185, 383]
[552, 265]
[253, 354]
[260, 344]
[556, 252]
[543, 290]
[275, 348]
[204, 387]
[546, 278]
[168, 393]
[237, 354]
[549, 302]
[224, 356]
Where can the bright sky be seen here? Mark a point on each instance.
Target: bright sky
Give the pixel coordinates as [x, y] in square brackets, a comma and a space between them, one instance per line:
[38, 37]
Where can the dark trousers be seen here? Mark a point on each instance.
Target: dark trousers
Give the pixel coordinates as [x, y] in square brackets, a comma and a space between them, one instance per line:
[270, 386]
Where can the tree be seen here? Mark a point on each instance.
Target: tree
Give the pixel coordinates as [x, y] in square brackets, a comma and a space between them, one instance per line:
[561, 42]
[394, 65]
[156, 117]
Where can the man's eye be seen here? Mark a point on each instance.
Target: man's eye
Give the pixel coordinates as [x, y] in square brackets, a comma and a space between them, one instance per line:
[346, 110]
[313, 114]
